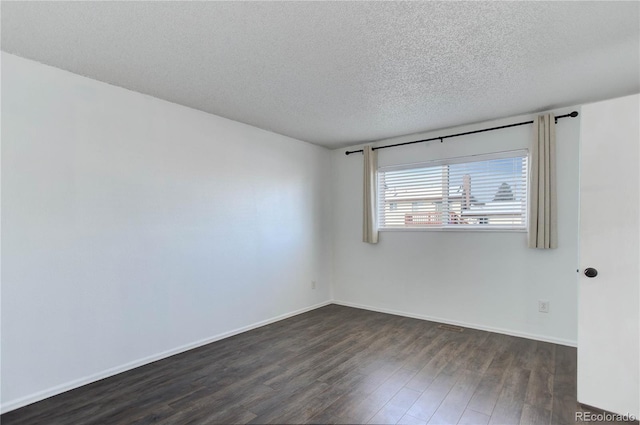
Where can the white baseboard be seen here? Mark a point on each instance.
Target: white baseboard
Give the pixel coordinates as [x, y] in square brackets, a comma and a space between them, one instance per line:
[544, 338]
[58, 389]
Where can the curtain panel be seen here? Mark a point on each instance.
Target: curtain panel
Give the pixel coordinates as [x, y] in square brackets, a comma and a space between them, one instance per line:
[543, 214]
[369, 207]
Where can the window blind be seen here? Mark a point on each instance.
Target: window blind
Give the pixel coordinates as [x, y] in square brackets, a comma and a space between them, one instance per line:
[483, 192]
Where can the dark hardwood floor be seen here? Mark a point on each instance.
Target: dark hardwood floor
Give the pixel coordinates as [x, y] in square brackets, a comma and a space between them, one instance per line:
[334, 365]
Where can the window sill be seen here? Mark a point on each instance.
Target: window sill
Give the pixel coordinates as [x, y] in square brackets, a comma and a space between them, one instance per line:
[453, 229]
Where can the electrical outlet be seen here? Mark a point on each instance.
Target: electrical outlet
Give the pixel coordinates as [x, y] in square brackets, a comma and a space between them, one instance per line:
[313, 284]
[543, 306]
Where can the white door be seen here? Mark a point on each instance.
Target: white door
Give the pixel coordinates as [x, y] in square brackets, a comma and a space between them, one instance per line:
[608, 352]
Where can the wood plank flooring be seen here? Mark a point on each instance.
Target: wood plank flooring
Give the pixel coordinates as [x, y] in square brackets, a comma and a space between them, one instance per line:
[334, 365]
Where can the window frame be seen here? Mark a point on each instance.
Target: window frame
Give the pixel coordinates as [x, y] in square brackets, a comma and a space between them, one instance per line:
[516, 153]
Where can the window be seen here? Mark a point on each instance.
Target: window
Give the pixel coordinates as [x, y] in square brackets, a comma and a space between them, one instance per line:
[480, 192]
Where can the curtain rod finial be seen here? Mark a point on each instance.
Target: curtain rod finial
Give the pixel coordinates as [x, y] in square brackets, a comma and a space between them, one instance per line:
[573, 114]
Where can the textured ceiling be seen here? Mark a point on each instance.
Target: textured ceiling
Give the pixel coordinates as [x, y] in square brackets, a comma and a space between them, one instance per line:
[340, 73]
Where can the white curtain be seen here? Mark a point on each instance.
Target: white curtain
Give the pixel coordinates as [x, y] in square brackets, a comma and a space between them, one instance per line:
[543, 214]
[369, 216]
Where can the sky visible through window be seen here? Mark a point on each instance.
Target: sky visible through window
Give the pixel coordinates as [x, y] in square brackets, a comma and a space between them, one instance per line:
[506, 170]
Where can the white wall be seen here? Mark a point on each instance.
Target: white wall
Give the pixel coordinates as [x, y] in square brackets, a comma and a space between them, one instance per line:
[486, 280]
[134, 228]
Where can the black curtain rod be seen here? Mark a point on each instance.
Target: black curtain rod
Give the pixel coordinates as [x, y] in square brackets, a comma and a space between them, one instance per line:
[441, 138]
